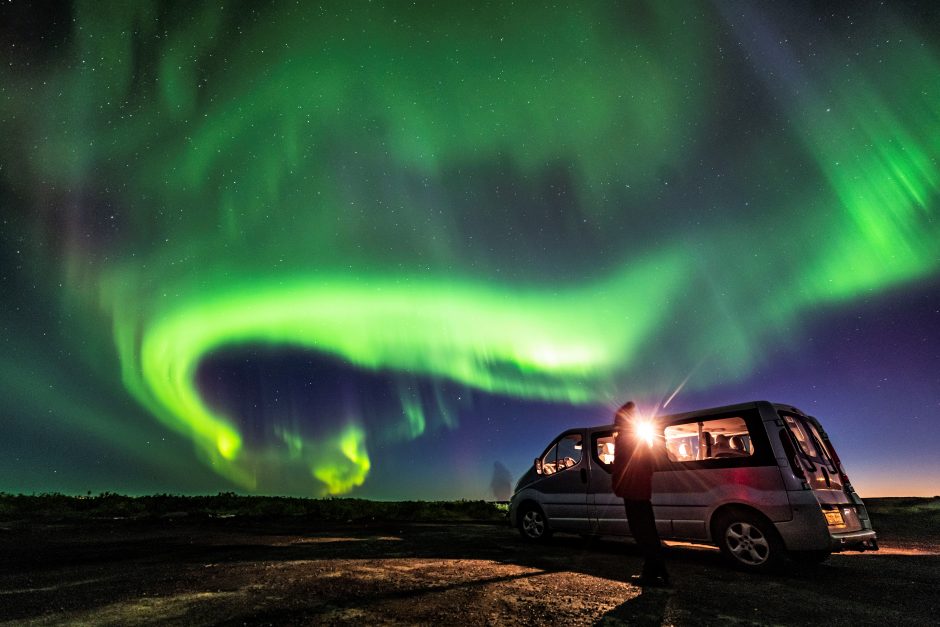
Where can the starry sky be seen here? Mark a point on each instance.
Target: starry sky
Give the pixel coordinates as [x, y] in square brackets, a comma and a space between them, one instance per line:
[391, 249]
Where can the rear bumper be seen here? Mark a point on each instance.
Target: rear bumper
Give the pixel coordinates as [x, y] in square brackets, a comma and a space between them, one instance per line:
[864, 540]
[808, 531]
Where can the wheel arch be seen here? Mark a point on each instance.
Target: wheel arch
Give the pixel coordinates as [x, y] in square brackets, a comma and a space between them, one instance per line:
[727, 509]
[523, 498]
[539, 529]
[529, 502]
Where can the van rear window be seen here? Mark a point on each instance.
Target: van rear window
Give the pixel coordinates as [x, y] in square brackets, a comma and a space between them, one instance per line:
[708, 439]
[803, 436]
[810, 441]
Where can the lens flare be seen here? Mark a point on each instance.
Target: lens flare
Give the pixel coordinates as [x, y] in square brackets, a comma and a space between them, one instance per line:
[646, 431]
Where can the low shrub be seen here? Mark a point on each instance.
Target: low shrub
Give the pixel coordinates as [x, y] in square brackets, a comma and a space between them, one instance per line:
[108, 505]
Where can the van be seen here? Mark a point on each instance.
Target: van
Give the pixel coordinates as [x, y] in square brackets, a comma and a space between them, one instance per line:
[760, 480]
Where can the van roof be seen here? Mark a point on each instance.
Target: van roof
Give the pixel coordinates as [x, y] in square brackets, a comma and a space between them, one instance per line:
[715, 410]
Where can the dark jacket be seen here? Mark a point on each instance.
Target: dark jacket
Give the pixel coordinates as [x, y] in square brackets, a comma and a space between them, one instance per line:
[632, 473]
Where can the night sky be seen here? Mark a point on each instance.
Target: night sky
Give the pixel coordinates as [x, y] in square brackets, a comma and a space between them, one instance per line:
[391, 249]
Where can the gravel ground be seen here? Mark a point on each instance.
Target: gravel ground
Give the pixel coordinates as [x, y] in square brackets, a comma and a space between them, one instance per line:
[235, 571]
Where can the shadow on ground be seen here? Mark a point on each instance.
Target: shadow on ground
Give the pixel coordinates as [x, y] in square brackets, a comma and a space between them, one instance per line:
[277, 572]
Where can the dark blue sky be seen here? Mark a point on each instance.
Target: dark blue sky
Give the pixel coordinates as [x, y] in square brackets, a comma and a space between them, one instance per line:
[391, 251]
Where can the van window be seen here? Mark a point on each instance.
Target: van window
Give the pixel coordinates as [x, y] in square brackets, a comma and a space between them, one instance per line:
[563, 454]
[802, 434]
[604, 449]
[821, 447]
[810, 441]
[708, 439]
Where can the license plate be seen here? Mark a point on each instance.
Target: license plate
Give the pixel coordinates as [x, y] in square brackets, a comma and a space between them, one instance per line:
[834, 517]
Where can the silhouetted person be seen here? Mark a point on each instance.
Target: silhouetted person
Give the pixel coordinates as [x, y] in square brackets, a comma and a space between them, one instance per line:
[632, 479]
[501, 484]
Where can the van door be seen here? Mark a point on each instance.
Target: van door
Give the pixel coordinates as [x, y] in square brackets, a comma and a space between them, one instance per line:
[823, 474]
[564, 484]
[817, 465]
[608, 514]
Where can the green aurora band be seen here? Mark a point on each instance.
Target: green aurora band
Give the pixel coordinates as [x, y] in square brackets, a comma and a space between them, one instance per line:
[303, 178]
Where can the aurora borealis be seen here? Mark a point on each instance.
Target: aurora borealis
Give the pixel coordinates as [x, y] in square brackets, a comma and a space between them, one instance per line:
[377, 247]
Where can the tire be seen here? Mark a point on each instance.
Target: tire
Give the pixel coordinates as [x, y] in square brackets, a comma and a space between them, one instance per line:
[749, 541]
[533, 525]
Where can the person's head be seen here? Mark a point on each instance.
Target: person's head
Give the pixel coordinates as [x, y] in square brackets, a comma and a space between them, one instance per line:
[625, 414]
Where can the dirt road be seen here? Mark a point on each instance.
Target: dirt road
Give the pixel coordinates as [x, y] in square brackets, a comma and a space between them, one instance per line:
[235, 572]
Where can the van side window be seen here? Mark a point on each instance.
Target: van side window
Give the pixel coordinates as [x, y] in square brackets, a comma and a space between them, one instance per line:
[605, 449]
[563, 454]
[708, 439]
[602, 449]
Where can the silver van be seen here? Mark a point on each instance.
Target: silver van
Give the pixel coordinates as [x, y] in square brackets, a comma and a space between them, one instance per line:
[760, 480]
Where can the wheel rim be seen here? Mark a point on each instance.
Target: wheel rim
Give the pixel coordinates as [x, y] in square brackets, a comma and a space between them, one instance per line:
[747, 543]
[533, 524]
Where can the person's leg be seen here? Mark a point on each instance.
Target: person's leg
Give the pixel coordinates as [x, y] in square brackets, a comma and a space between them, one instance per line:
[643, 528]
[639, 522]
[656, 557]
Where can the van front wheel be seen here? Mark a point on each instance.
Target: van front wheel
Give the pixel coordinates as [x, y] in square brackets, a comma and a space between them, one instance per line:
[533, 526]
[749, 542]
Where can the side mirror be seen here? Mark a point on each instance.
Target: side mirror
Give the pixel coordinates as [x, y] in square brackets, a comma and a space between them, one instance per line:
[538, 465]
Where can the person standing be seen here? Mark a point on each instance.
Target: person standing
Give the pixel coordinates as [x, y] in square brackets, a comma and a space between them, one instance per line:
[632, 480]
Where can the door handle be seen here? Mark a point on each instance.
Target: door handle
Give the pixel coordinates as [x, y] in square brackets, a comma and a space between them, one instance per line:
[584, 475]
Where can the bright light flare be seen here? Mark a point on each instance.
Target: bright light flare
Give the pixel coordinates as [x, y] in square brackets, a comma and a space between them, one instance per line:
[646, 431]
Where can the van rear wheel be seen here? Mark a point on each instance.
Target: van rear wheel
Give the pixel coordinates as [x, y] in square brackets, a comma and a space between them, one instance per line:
[533, 526]
[749, 541]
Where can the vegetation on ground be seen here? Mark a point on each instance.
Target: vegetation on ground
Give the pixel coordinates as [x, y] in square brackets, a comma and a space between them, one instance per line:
[227, 504]
[905, 516]
[890, 516]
